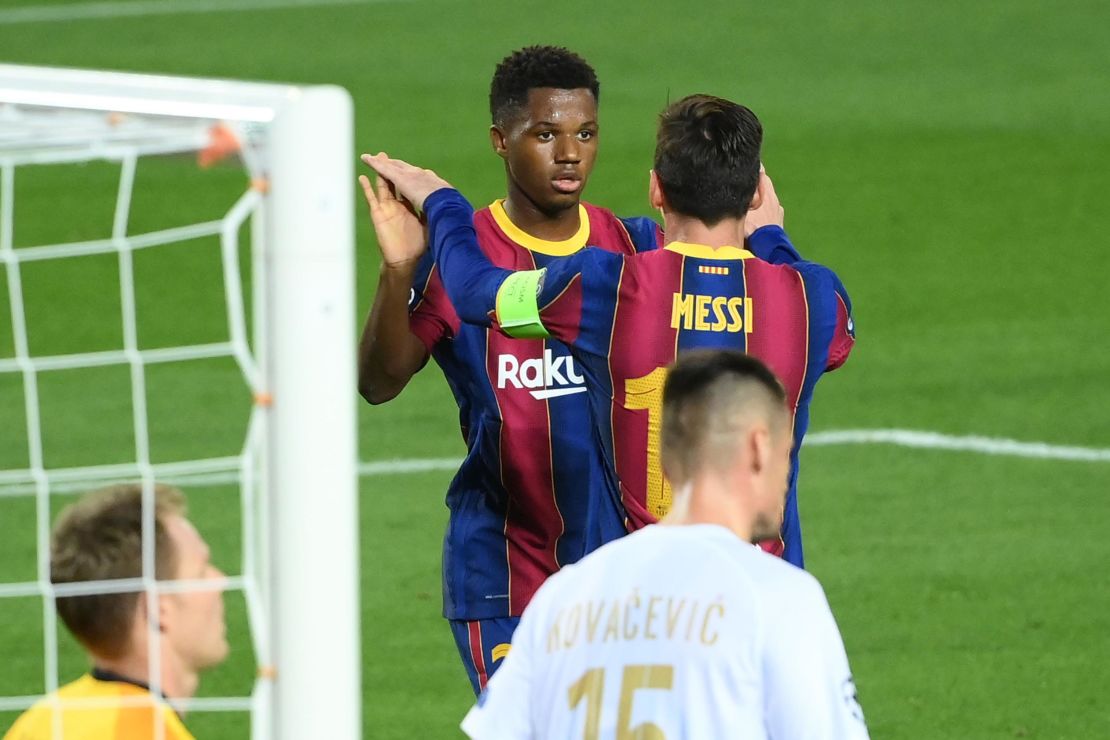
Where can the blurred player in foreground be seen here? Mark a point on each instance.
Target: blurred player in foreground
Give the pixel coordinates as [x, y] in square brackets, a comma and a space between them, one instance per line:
[684, 629]
[530, 495]
[627, 317]
[100, 538]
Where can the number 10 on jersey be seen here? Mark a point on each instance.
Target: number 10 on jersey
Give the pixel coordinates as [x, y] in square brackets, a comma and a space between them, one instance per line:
[646, 393]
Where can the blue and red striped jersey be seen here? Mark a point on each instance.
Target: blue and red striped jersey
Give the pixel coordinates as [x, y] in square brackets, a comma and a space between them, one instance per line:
[529, 496]
[627, 317]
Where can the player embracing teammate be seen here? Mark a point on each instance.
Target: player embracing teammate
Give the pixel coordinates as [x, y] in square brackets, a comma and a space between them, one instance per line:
[626, 318]
[532, 494]
[553, 471]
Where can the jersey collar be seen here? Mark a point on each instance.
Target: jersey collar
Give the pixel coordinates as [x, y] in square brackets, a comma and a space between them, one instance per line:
[526, 240]
[709, 253]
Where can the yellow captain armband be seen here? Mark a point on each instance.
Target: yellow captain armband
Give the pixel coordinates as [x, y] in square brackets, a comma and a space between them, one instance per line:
[518, 310]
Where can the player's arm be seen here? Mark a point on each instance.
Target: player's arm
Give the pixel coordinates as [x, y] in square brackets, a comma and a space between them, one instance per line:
[481, 292]
[645, 233]
[389, 353]
[471, 281]
[844, 333]
[808, 686]
[768, 241]
[831, 309]
[764, 226]
[523, 304]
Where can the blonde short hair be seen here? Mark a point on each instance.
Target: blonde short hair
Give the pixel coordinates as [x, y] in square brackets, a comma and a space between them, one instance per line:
[99, 537]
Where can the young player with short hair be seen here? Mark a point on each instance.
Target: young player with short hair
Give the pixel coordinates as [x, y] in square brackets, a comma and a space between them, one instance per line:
[528, 498]
[627, 317]
[684, 629]
[100, 538]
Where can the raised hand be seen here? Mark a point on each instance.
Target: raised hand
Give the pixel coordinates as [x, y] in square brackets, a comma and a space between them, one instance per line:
[413, 183]
[401, 236]
[768, 212]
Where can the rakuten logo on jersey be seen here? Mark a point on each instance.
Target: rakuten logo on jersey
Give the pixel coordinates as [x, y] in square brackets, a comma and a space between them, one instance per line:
[551, 376]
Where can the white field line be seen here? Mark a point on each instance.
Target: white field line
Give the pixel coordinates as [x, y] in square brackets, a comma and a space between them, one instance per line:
[93, 11]
[974, 443]
[898, 437]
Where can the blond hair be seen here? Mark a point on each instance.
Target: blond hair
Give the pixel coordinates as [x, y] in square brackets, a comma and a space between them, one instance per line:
[99, 537]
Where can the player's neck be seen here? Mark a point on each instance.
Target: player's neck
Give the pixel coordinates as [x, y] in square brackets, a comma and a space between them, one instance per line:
[726, 233]
[553, 227]
[176, 683]
[709, 499]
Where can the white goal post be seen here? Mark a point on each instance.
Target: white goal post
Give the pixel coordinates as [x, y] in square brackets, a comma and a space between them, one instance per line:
[297, 145]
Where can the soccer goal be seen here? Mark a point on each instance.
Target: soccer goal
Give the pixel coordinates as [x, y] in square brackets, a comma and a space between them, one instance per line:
[179, 274]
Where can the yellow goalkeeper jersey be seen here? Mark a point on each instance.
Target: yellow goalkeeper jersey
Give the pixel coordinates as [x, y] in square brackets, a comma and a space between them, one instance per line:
[100, 710]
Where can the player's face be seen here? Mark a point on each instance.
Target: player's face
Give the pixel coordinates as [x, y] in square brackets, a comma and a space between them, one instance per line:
[193, 621]
[550, 147]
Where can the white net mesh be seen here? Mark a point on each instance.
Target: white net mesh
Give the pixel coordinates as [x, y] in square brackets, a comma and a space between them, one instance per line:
[33, 137]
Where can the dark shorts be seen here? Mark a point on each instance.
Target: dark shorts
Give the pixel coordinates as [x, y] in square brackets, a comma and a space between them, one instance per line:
[483, 645]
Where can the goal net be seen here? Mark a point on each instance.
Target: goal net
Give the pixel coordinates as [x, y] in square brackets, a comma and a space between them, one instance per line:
[178, 273]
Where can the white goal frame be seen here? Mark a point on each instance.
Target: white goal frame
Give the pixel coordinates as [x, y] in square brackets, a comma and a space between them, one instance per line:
[304, 337]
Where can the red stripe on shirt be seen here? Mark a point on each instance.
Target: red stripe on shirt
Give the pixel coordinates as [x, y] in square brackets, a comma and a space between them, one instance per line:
[533, 523]
[781, 323]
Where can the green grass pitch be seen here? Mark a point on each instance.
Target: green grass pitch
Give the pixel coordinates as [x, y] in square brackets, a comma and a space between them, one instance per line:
[950, 160]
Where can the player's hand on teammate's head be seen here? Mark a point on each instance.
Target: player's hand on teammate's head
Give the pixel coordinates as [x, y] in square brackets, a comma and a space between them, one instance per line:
[768, 212]
[414, 183]
[402, 237]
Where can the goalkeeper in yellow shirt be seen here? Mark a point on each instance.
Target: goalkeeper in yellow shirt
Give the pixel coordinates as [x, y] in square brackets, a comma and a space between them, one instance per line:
[100, 538]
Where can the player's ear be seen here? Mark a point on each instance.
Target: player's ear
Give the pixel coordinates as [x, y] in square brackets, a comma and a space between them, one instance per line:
[139, 627]
[497, 141]
[757, 197]
[655, 191]
[760, 448]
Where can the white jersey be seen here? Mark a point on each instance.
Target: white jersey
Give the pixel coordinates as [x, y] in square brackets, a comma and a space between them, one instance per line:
[674, 632]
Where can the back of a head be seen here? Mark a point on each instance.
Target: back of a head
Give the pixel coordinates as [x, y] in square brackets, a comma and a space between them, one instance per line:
[710, 396]
[100, 538]
[534, 67]
[707, 157]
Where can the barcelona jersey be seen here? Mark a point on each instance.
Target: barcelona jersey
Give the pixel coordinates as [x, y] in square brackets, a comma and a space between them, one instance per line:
[530, 495]
[627, 317]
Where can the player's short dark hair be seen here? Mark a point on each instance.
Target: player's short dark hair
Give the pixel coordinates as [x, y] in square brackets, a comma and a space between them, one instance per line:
[706, 391]
[536, 66]
[707, 157]
[99, 538]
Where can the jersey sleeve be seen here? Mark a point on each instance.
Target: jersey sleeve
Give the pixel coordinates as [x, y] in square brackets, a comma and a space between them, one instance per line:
[549, 302]
[646, 235]
[432, 318]
[574, 301]
[771, 244]
[831, 308]
[844, 335]
[471, 281]
[808, 686]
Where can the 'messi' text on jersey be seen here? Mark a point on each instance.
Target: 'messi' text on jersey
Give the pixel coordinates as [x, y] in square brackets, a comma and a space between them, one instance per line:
[711, 313]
